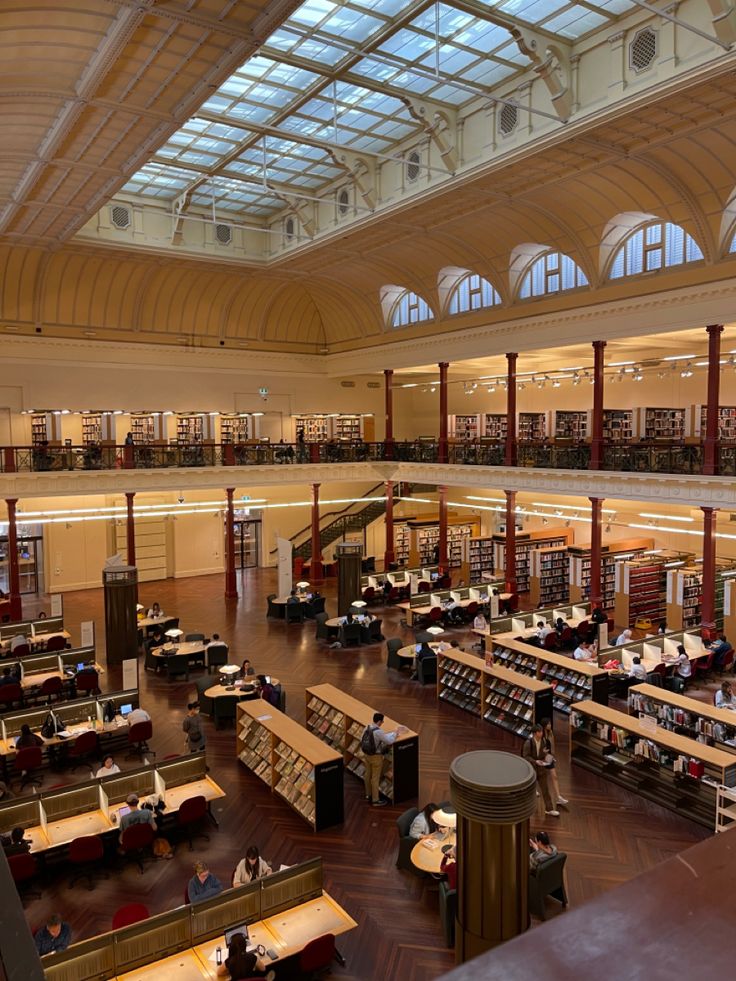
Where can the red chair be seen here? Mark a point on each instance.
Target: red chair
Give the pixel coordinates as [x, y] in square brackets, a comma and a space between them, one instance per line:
[87, 681]
[727, 662]
[369, 594]
[317, 955]
[24, 868]
[445, 582]
[470, 610]
[567, 637]
[661, 670]
[22, 650]
[704, 665]
[193, 812]
[435, 614]
[394, 594]
[55, 643]
[134, 842]
[550, 642]
[130, 914]
[10, 694]
[87, 853]
[583, 630]
[27, 762]
[138, 736]
[84, 748]
[50, 689]
[424, 587]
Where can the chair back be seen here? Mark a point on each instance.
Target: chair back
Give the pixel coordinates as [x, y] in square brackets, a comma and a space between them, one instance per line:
[137, 836]
[87, 681]
[193, 637]
[403, 821]
[427, 670]
[424, 586]
[705, 664]
[654, 678]
[217, 654]
[549, 875]
[471, 609]
[445, 582]
[85, 743]
[727, 660]
[566, 637]
[205, 702]
[513, 603]
[55, 643]
[224, 708]
[30, 758]
[369, 594]
[317, 605]
[435, 614]
[141, 732]
[11, 693]
[177, 664]
[52, 686]
[22, 867]
[394, 645]
[550, 641]
[22, 650]
[294, 613]
[318, 954]
[321, 632]
[128, 915]
[86, 849]
[374, 630]
[192, 809]
[583, 630]
[661, 670]
[351, 633]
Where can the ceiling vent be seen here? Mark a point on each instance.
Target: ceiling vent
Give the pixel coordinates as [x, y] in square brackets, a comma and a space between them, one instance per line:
[223, 234]
[643, 49]
[508, 119]
[347, 384]
[412, 165]
[343, 202]
[120, 216]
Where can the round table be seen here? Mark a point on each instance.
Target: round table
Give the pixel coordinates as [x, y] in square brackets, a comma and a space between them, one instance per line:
[243, 691]
[430, 859]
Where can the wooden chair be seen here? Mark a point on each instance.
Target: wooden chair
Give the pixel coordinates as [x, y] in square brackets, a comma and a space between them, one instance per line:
[52, 688]
[322, 630]
[88, 682]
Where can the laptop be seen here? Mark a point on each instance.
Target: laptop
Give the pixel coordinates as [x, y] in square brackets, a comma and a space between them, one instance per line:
[125, 710]
[80, 666]
[123, 811]
[229, 934]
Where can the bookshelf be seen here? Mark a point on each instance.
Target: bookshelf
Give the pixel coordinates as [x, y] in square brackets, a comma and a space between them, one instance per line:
[611, 555]
[641, 587]
[401, 543]
[525, 542]
[495, 425]
[685, 594]
[532, 425]
[347, 428]
[729, 606]
[425, 536]
[339, 720]
[465, 427]
[91, 428]
[143, 428]
[41, 427]
[477, 558]
[504, 698]
[571, 425]
[687, 716]
[671, 770]
[618, 425]
[549, 576]
[316, 428]
[293, 763]
[571, 681]
[725, 808]
[660, 423]
[189, 429]
[726, 421]
[236, 429]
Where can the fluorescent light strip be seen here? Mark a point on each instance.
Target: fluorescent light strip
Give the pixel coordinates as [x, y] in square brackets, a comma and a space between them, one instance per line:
[569, 507]
[679, 357]
[665, 517]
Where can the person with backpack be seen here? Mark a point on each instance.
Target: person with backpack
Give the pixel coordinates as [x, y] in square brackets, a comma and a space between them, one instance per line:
[374, 745]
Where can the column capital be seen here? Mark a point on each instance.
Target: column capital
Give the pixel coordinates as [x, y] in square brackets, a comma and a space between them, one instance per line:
[443, 364]
[388, 372]
[714, 328]
[599, 345]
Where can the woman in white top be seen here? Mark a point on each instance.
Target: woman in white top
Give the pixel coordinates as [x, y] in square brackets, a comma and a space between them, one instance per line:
[480, 622]
[108, 767]
[250, 868]
[724, 697]
[683, 666]
[423, 826]
[623, 638]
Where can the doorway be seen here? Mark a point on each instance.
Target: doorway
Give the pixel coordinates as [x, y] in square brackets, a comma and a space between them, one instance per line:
[247, 543]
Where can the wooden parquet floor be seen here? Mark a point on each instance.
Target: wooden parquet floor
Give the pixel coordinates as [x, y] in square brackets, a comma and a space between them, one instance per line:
[609, 834]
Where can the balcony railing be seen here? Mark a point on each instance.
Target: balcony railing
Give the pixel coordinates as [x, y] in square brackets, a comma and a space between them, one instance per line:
[637, 457]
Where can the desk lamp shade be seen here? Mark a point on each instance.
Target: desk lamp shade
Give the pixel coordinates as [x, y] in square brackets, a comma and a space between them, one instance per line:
[436, 631]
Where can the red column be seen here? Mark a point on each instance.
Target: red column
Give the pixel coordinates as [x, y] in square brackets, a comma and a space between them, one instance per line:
[388, 439]
[388, 555]
[510, 558]
[708, 601]
[130, 527]
[16, 603]
[596, 443]
[710, 448]
[443, 366]
[231, 584]
[315, 565]
[443, 562]
[596, 528]
[510, 455]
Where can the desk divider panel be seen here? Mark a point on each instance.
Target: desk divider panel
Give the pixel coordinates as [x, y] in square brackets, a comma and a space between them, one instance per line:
[50, 625]
[232, 907]
[118, 698]
[291, 887]
[154, 938]
[88, 960]
[141, 781]
[38, 664]
[74, 656]
[184, 770]
[69, 802]
[19, 814]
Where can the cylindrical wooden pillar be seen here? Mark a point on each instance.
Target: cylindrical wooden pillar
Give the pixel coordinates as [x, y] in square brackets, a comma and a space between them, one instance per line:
[708, 602]
[710, 446]
[315, 564]
[231, 582]
[596, 442]
[16, 603]
[494, 795]
[510, 550]
[596, 531]
[121, 624]
[130, 527]
[443, 366]
[388, 439]
[349, 557]
[442, 559]
[510, 453]
[389, 556]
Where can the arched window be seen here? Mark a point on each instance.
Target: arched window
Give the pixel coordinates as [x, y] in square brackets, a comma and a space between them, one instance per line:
[657, 245]
[409, 309]
[733, 244]
[552, 273]
[473, 292]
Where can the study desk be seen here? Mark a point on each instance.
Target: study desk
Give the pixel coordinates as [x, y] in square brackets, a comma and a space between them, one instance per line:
[429, 859]
[239, 689]
[147, 622]
[423, 611]
[283, 600]
[36, 641]
[194, 649]
[36, 680]
[410, 651]
[185, 966]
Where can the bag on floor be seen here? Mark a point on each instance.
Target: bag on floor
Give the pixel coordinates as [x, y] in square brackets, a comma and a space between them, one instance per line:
[161, 848]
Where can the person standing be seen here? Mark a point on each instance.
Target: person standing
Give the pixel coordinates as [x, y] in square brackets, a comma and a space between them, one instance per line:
[554, 783]
[536, 750]
[193, 728]
[375, 744]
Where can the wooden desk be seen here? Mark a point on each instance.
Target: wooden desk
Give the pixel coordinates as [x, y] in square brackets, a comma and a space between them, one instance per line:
[77, 826]
[38, 640]
[188, 647]
[206, 788]
[7, 746]
[410, 652]
[185, 966]
[430, 859]
[283, 600]
[154, 622]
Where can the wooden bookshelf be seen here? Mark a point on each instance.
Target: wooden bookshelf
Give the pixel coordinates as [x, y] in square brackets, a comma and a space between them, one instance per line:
[504, 698]
[641, 587]
[525, 542]
[347, 428]
[236, 428]
[726, 421]
[316, 428]
[465, 427]
[143, 428]
[190, 429]
[295, 764]
[402, 540]
[618, 425]
[729, 606]
[571, 425]
[42, 428]
[671, 770]
[662, 423]
[477, 558]
[425, 536]
[346, 719]
[495, 425]
[686, 716]
[725, 809]
[532, 426]
[611, 554]
[685, 595]
[91, 428]
[571, 681]
[549, 576]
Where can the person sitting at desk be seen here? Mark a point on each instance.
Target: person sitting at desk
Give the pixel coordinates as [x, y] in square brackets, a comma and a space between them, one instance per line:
[27, 738]
[560, 625]
[250, 868]
[347, 619]
[243, 963]
[544, 629]
[724, 697]
[584, 652]
[448, 865]
[18, 641]
[136, 815]
[108, 768]
[386, 588]
[423, 826]
[156, 639]
[683, 667]
[216, 642]
[247, 670]
[542, 850]
[203, 884]
[720, 648]
[451, 604]
[54, 937]
[623, 638]
[480, 622]
[155, 613]
[293, 598]
[662, 628]
[8, 678]
[138, 715]
[16, 844]
[637, 671]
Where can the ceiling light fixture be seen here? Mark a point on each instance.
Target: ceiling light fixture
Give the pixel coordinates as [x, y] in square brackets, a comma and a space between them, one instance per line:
[687, 371]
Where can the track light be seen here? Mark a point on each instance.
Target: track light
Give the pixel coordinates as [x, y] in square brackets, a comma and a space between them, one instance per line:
[637, 376]
[576, 378]
[540, 383]
[556, 383]
[687, 370]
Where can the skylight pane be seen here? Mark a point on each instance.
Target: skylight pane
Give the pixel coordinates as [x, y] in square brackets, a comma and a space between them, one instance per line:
[575, 22]
[351, 25]
[313, 12]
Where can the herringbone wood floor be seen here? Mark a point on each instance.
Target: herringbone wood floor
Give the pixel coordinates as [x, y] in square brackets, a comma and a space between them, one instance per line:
[609, 834]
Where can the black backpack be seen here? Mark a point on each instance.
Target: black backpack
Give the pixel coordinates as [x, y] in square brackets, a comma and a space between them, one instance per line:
[108, 711]
[368, 741]
[49, 727]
